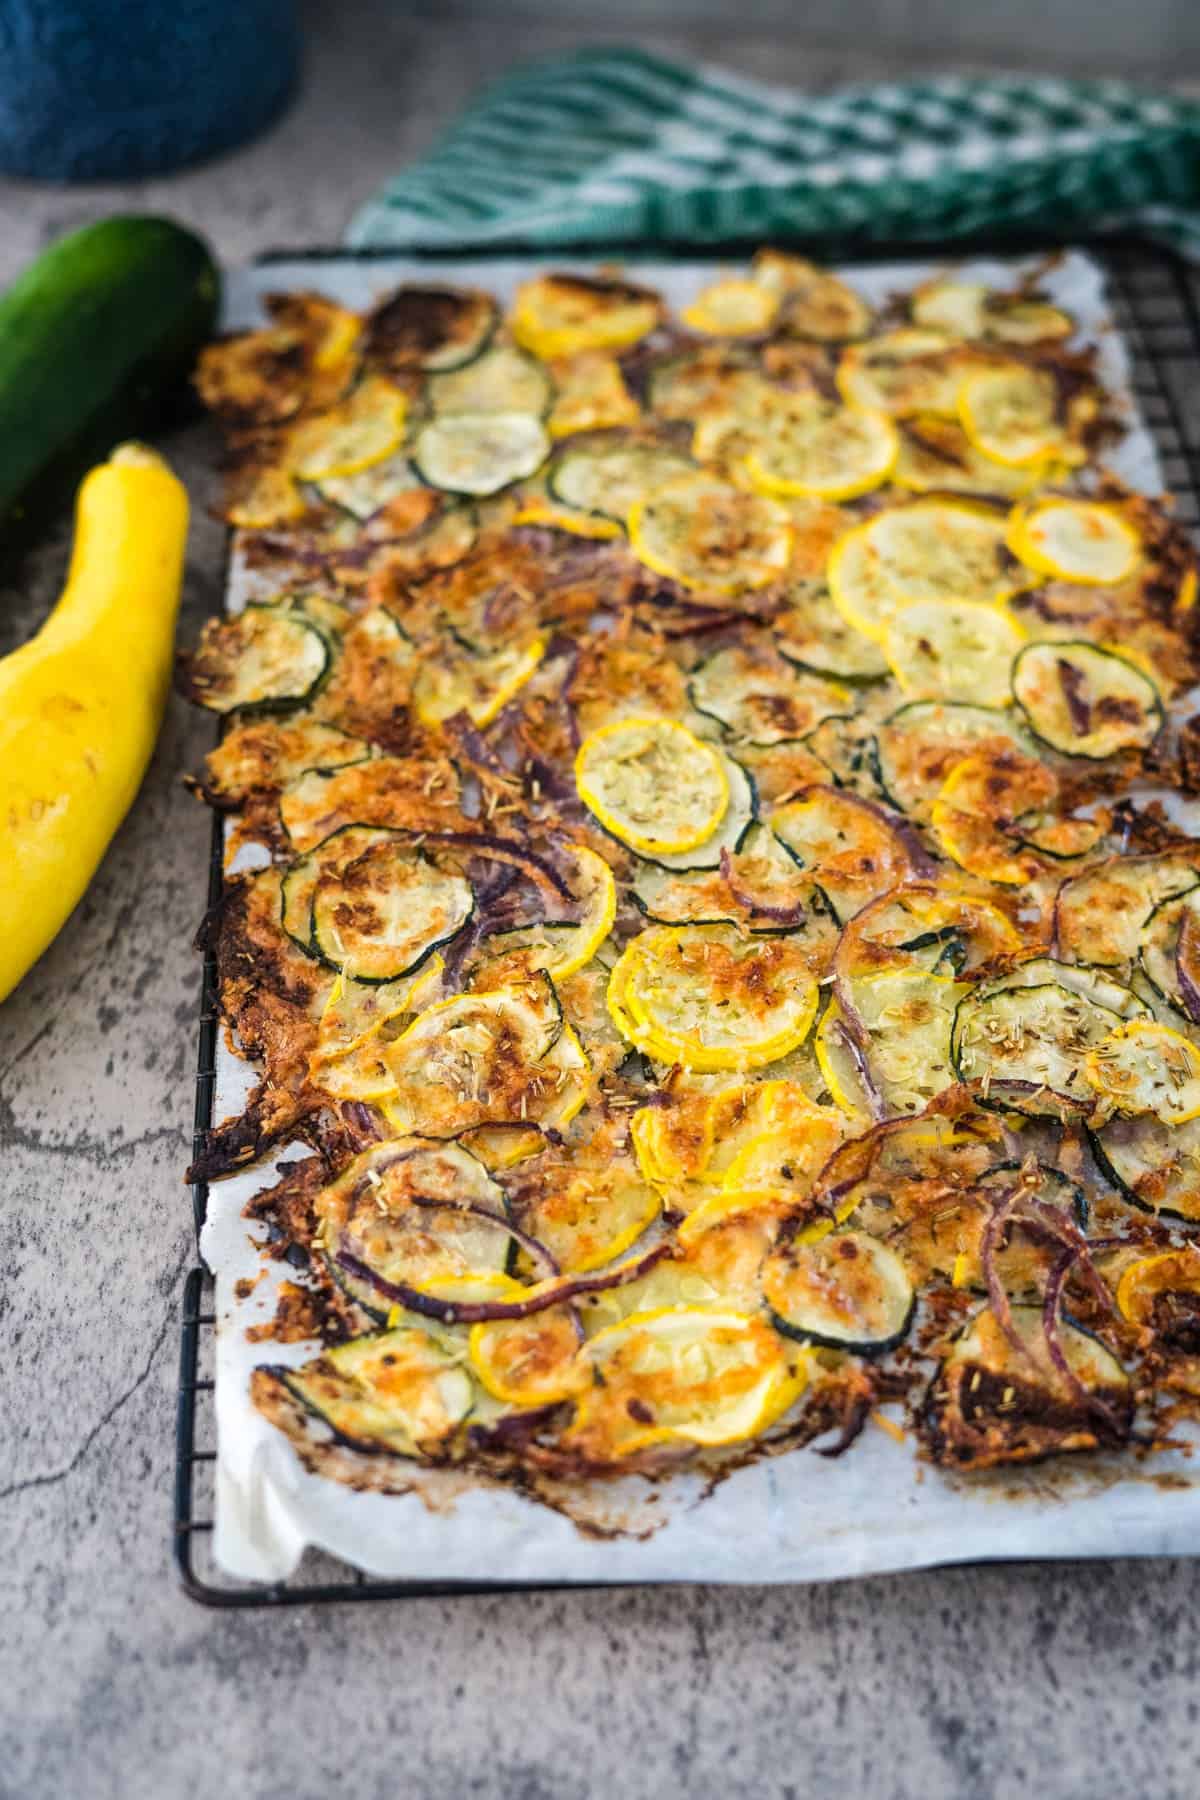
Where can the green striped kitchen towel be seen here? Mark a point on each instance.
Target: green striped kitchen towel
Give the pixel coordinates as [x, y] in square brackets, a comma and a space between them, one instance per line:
[619, 146]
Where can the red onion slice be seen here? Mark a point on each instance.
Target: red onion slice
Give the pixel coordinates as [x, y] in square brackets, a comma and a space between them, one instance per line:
[473, 1312]
[1187, 962]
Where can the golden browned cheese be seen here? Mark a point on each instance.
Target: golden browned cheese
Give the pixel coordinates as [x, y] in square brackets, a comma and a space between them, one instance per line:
[679, 1131]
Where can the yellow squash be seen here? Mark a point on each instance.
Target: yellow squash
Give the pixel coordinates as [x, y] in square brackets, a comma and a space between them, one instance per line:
[81, 703]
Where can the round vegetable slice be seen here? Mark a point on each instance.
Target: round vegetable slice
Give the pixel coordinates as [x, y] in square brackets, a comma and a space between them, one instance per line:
[590, 395]
[530, 1362]
[1086, 701]
[480, 453]
[428, 328]
[953, 650]
[937, 456]
[728, 836]
[942, 549]
[1155, 1166]
[480, 686]
[1159, 950]
[698, 1375]
[734, 307]
[373, 487]
[820, 451]
[263, 659]
[904, 1019]
[1010, 414]
[502, 380]
[560, 315]
[846, 1291]
[1076, 540]
[559, 947]
[973, 814]
[1144, 1067]
[1038, 1036]
[1099, 915]
[816, 303]
[759, 697]
[709, 998]
[379, 915]
[710, 536]
[810, 633]
[858, 584]
[920, 743]
[1162, 1294]
[652, 783]
[364, 429]
[953, 307]
[854, 849]
[901, 372]
[608, 478]
[401, 1391]
[299, 881]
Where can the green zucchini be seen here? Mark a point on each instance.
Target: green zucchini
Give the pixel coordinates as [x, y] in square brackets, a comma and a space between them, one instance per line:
[847, 1291]
[97, 338]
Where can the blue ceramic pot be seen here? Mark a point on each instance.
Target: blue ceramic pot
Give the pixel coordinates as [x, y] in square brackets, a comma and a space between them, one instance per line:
[98, 89]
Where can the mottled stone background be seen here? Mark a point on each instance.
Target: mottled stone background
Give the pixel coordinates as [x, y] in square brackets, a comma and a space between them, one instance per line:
[983, 1683]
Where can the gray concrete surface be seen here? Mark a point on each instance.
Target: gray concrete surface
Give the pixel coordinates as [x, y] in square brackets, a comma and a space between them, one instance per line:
[987, 1683]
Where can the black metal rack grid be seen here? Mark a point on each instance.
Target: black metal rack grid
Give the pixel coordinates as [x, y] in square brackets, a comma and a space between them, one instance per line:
[1156, 307]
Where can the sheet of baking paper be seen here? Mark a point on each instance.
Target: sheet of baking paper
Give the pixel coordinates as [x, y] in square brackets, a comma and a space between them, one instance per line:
[796, 1517]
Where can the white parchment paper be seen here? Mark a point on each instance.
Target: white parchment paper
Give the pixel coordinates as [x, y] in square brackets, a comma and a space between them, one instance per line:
[792, 1518]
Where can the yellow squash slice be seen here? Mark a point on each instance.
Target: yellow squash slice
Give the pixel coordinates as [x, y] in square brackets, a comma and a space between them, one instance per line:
[1009, 412]
[901, 372]
[1076, 540]
[708, 998]
[562, 315]
[652, 783]
[953, 650]
[365, 428]
[480, 686]
[734, 307]
[1143, 1067]
[937, 549]
[824, 452]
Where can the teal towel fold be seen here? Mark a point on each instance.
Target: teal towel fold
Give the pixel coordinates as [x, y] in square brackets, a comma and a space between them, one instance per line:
[619, 146]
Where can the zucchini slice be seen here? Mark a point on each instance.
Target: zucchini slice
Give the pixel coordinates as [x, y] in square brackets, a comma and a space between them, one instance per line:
[682, 386]
[821, 451]
[710, 536]
[263, 659]
[1086, 701]
[425, 1214]
[901, 372]
[953, 307]
[369, 489]
[502, 380]
[919, 744]
[448, 538]
[1144, 1067]
[941, 549]
[378, 916]
[851, 847]
[653, 784]
[1076, 540]
[266, 754]
[428, 328]
[953, 650]
[846, 1291]
[608, 478]
[1036, 1036]
[907, 1016]
[1092, 984]
[1099, 916]
[1010, 414]
[757, 696]
[498, 1058]
[481, 685]
[994, 1403]
[361, 431]
[708, 998]
[1158, 953]
[300, 878]
[479, 453]
[813, 635]
[1155, 1166]
[401, 1391]
[734, 307]
[695, 1375]
[561, 315]
[764, 891]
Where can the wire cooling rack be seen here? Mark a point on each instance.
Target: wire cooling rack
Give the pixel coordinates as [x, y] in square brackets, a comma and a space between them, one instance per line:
[1156, 307]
